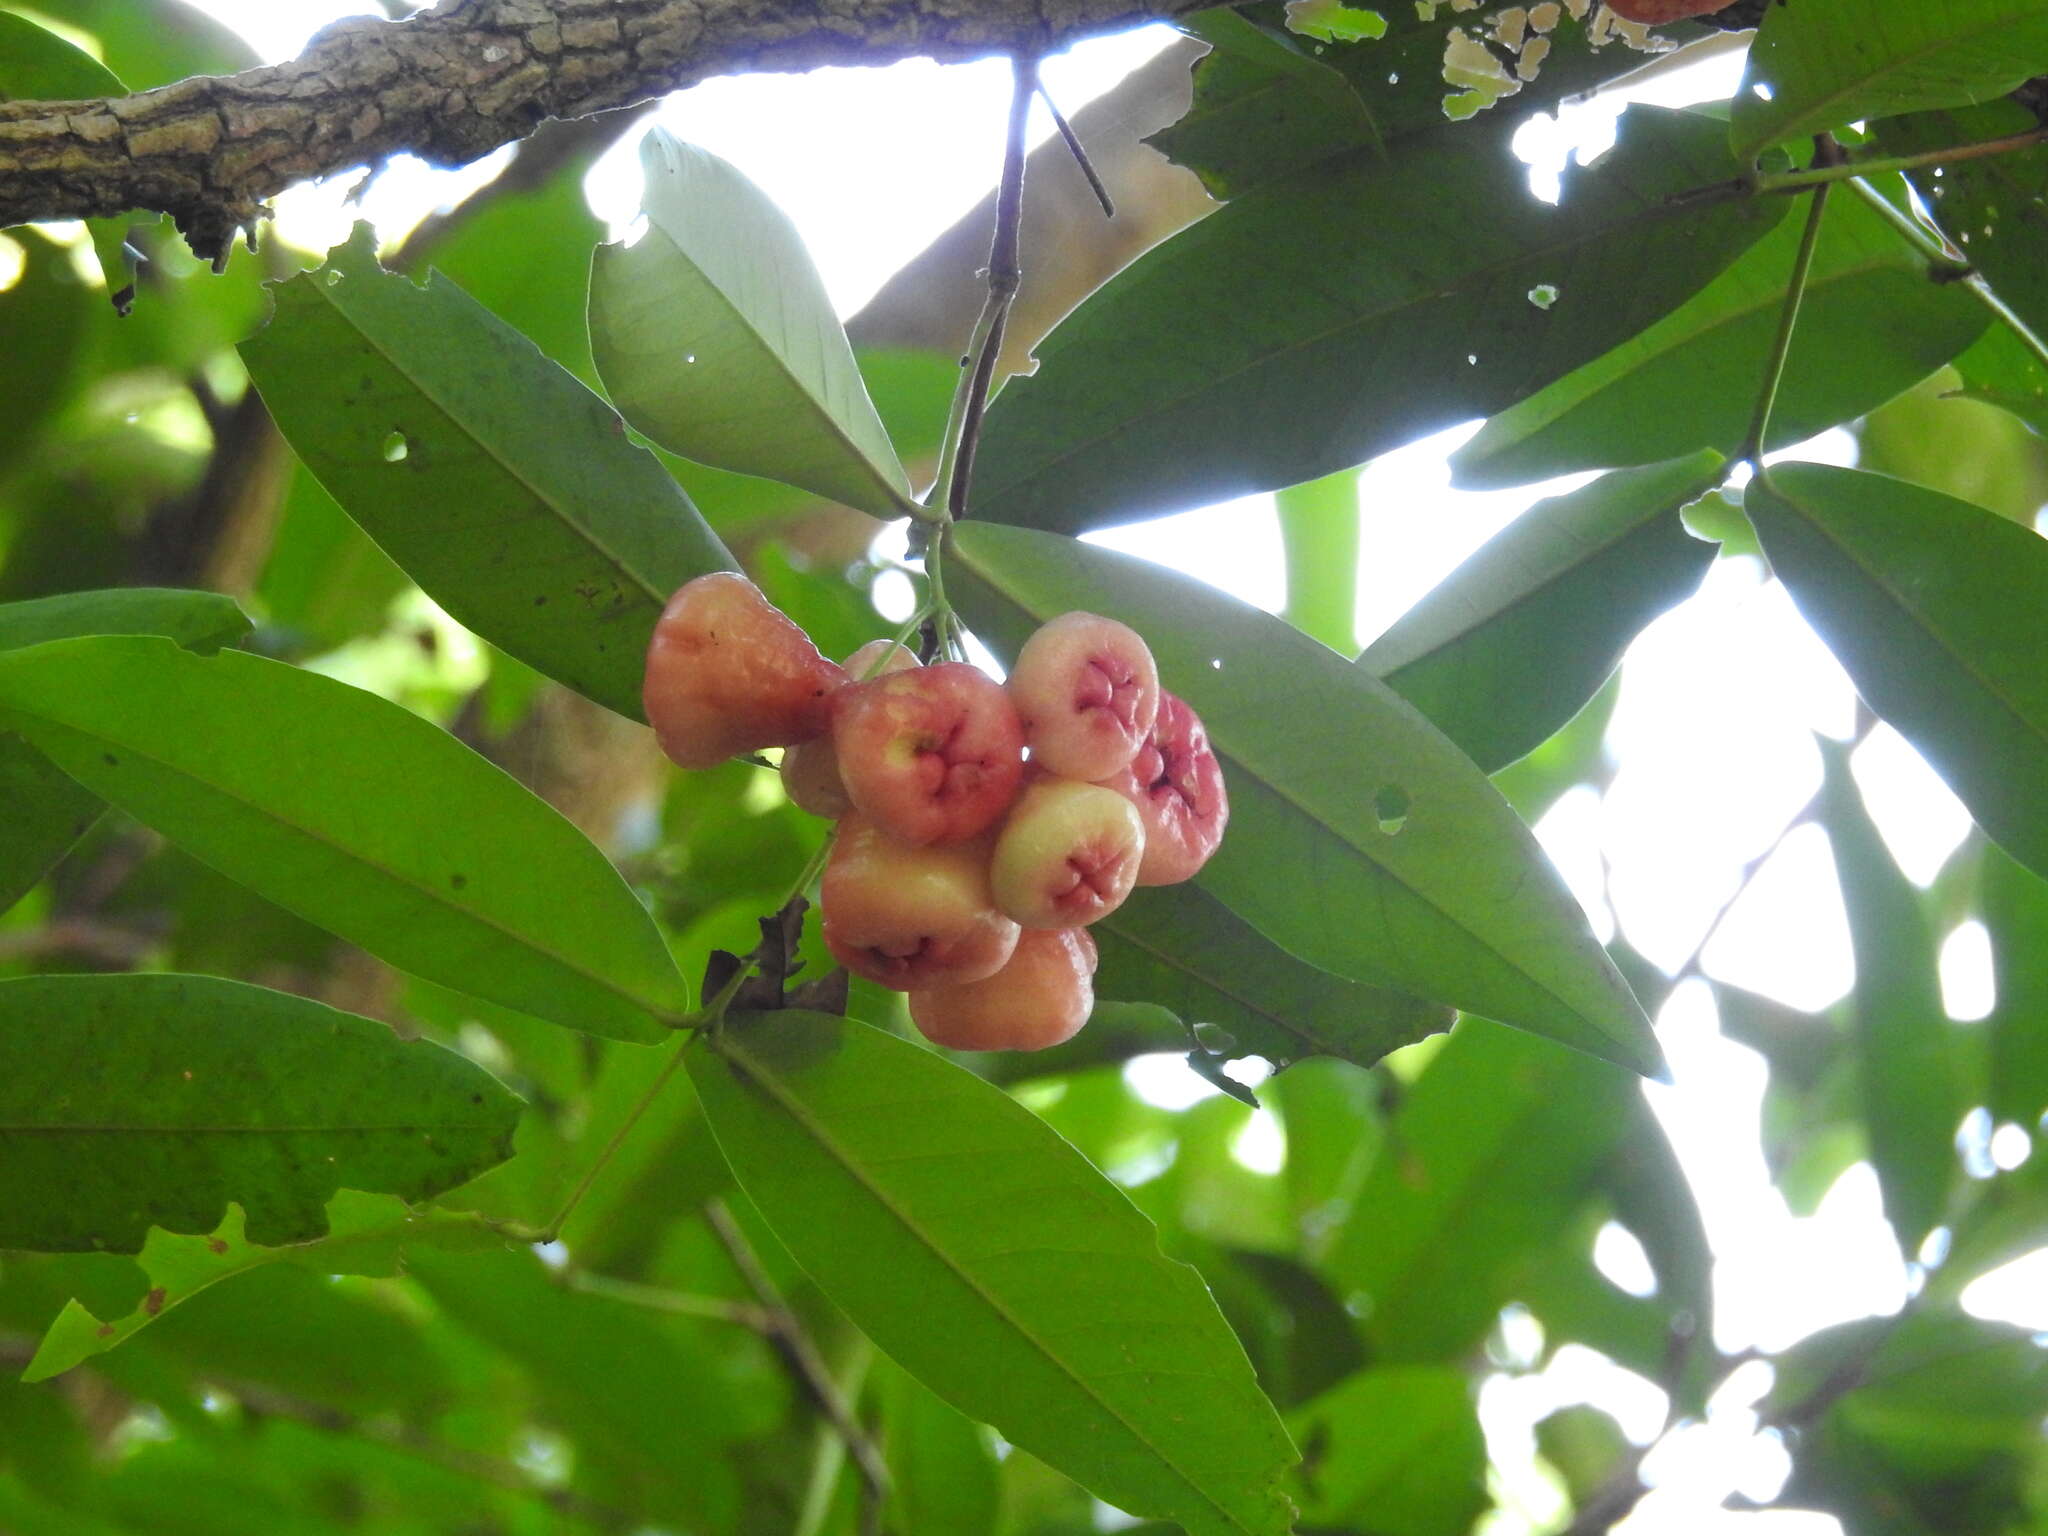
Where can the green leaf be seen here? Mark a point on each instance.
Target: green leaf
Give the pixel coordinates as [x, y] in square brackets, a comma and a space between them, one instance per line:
[985, 1255]
[355, 814]
[1995, 207]
[1366, 303]
[1870, 325]
[1319, 536]
[1905, 1056]
[502, 486]
[1940, 1431]
[943, 1475]
[47, 334]
[1939, 611]
[46, 810]
[1491, 1157]
[366, 1235]
[714, 336]
[1361, 839]
[2016, 913]
[1398, 1451]
[1823, 63]
[199, 621]
[2001, 370]
[1511, 645]
[128, 1102]
[1177, 947]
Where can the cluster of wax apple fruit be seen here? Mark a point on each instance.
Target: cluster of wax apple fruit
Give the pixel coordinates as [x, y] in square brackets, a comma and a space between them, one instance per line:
[963, 872]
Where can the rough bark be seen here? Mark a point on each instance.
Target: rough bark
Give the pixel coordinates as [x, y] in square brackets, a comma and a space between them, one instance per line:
[457, 81]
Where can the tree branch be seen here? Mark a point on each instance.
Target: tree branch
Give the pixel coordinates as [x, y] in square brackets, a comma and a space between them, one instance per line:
[457, 81]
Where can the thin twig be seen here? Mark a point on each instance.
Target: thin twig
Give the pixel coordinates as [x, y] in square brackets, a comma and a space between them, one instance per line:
[799, 1354]
[1005, 274]
[1073, 143]
[658, 1298]
[1788, 319]
[1841, 170]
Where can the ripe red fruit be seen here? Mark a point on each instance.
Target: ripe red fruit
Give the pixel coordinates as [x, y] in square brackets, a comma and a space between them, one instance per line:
[933, 755]
[1042, 997]
[1657, 12]
[729, 672]
[1176, 783]
[1087, 690]
[810, 770]
[911, 917]
[1068, 854]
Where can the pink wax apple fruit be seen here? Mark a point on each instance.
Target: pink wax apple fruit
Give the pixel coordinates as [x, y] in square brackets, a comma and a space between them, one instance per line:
[1067, 855]
[1087, 691]
[908, 916]
[1176, 783]
[933, 755]
[810, 770]
[1040, 998]
[729, 672]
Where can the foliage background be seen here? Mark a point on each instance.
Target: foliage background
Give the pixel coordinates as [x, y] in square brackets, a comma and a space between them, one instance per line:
[1486, 1280]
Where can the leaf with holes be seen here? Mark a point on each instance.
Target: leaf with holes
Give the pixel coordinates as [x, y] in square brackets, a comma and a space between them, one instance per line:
[1328, 316]
[356, 814]
[714, 336]
[128, 1102]
[500, 484]
[1510, 645]
[366, 1235]
[1361, 839]
[1822, 63]
[985, 1254]
[1870, 326]
[1939, 611]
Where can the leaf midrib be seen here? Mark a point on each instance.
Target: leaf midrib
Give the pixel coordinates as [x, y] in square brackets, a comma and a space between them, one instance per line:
[1396, 877]
[563, 513]
[1469, 278]
[49, 1129]
[798, 1111]
[483, 920]
[839, 433]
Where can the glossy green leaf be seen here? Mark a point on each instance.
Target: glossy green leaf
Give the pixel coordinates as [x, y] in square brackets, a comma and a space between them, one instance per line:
[1177, 947]
[1367, 303]
[47, 811]
[1509, 646]
[502, 486]
[128, 1102]
[1905, 1053]
[1871, 324]
[714, 336]
[1399, 1453]
[2016, 913]
[1823, 63]
[366, 1235]
[984, 1254]
[199, 621]
[1361, 839]
[356, 814]
[1491, 1157]
[1939, 611]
